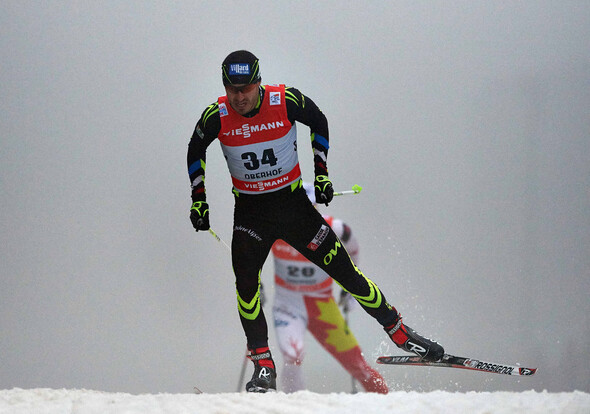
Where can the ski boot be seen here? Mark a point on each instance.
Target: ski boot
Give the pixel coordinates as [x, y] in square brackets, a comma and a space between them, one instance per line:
[409, 340]
[264, 378]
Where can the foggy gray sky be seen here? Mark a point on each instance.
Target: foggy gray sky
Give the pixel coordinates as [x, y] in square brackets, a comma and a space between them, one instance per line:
[466, 123]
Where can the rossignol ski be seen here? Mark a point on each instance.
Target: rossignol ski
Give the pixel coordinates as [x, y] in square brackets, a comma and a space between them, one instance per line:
[452, 361]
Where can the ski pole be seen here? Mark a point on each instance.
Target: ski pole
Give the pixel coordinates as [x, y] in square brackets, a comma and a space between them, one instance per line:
[355, 190]
[353, 381]
[219, 239]
[243, 372]
[345, 310]
[245, 363]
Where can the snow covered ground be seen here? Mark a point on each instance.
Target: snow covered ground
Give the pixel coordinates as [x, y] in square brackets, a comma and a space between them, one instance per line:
[64, 401]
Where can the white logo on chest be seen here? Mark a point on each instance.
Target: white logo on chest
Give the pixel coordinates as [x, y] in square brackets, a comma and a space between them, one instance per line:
[247, 130]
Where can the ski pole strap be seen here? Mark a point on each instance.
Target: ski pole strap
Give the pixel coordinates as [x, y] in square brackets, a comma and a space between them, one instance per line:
[258, 357]
[395, 327]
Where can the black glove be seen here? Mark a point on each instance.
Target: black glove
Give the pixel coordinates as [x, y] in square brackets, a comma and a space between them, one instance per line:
[262, 295]
[200, 215]
[346, 301]
[324, 192]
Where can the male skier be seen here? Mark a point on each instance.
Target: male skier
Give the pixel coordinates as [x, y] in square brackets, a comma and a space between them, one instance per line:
[256, 127]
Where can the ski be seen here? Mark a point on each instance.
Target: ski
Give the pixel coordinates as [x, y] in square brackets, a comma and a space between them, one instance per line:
[452, 361]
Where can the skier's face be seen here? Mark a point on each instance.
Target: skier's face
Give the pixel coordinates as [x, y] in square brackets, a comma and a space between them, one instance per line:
[242, 98]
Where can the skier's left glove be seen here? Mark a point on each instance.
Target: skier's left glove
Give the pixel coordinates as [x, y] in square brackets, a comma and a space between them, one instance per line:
[347, 302]
[262, 295]
[200, 215]
[324, 192]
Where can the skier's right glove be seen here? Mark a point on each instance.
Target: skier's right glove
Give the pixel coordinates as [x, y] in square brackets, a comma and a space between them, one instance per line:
[324, 192]
[200, 215]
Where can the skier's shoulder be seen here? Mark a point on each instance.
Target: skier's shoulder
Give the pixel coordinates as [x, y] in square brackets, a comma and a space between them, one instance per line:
[210, 113]
[210, 121]
[333, 222]
[342, 230]
[293, 96]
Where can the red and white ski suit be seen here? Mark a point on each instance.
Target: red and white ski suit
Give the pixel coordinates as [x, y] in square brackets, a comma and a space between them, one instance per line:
[304, 301]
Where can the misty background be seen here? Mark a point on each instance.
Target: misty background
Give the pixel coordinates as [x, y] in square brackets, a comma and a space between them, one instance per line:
[467, 124]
